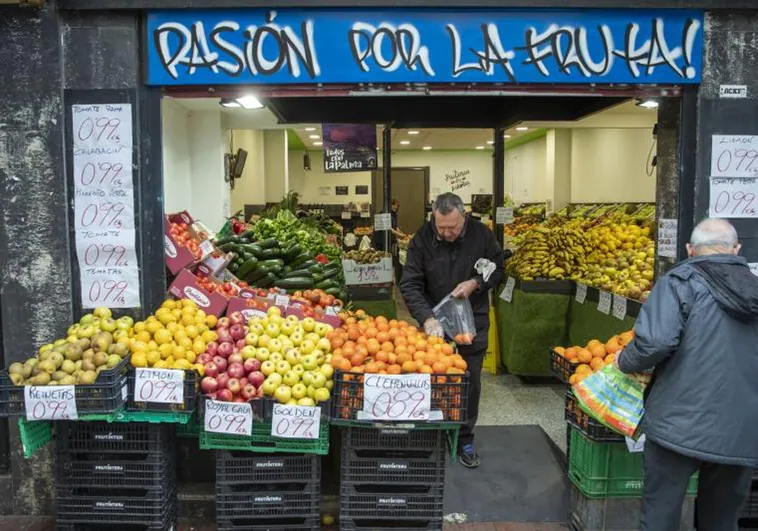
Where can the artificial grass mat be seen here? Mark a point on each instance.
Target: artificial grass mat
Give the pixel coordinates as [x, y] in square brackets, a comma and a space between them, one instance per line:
[585, 323]
[387, 308]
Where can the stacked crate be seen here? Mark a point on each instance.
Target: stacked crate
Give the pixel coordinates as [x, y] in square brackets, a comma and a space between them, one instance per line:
[392, 478]
[749, 516]
[121, 474]
[267, 491]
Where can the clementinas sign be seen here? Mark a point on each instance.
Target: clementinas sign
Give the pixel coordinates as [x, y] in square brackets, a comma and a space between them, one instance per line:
[403, 45]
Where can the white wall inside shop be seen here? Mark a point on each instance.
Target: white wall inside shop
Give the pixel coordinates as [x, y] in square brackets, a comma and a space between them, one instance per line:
[525, 171]
[177, 185]
[276, 162]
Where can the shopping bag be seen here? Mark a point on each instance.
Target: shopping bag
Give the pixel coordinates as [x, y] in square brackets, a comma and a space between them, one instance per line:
[457, 319]
[613, 398]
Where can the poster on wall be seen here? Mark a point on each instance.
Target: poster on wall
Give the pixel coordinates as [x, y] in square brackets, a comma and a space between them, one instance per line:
[349, 147]
[361, 189]
[104, 205]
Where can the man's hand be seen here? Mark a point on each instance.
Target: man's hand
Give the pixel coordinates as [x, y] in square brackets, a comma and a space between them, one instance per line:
[432, 327]
[465, 289]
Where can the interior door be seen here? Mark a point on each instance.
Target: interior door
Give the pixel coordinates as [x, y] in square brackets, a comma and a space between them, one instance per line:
[410, 186]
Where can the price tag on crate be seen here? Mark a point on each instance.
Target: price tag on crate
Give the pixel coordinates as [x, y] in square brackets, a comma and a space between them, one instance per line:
[206, 247]
[282, 300]
[296, 422]
[51, 402]
[604, 303]
[365, 214]
[581, 293]
[230, 418]
[397, 397]
[507, 293]
[159, 386]
[619, 307]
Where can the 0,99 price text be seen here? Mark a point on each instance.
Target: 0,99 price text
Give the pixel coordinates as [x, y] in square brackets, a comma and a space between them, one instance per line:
[228, 418]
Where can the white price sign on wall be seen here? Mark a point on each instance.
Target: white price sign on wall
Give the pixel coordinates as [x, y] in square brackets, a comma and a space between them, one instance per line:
[734, 156]
[733, 198]
[296, 422]
[160, 386]
[504, 215]
[51, 402]
[397, 397]
[231, 418]
[382, 222]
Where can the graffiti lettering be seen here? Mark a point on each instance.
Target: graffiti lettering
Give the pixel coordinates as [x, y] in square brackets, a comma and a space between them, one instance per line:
[267, 49]
[656, 52]
[404, 43]
[494, 53]
[540, 46]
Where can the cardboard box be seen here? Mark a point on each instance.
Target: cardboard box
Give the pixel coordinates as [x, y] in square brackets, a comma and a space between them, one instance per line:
[178, 256]
[185, 286]
[240, 304]
[361, 274]
[216, 267]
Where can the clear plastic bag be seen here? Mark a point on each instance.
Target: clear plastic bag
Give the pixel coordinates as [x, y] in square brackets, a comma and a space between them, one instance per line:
[457, 319]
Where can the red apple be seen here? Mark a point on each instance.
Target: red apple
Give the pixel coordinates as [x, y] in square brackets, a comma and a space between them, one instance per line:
[223, 323]
[247, 329]
[252, 365]
[243, 382]
[249, 392]
[236, 318]
[233, 385]
[256, 378]
[240, 344]
[235, 370]
[225, 395]
[236, 358]
[212, 396]
[204, 358]
[222, 379]
[221, 363]
[211, 348]
[223, 335]
[237, 331]
[225, 350]
[209, 385]
[211, 369]
[260, 392]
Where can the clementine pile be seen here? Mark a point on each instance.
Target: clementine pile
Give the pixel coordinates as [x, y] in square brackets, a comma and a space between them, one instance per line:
[594, 356]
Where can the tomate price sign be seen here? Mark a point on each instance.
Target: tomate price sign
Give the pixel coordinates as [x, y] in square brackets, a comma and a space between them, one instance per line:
[296, 422]
[52, 402]
[161, 386]
[397, 397]
[230, 418]
[733, 198]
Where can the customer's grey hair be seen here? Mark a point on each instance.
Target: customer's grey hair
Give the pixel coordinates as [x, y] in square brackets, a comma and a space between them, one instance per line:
[447, 202]
[714, 234]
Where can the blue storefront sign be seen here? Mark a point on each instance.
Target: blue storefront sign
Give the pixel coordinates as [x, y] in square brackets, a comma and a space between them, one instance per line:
[305, 46]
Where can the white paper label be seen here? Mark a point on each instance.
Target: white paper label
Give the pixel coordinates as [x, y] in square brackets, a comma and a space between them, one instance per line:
[358, 274]
[637, 446]
[51, 402]
[667, 238]
[231, 418]
[347, 215]
[365, 214]
[282, 300]
[507, 293]
[733, 91]
[604, 303]
[619, 307]
[206, 247]
[160, 386]
[397, 397]
[734, 156]
[382, 222]
[733, 198]
[504, 215]
[104, 205]
[296, 422]
[581, 293]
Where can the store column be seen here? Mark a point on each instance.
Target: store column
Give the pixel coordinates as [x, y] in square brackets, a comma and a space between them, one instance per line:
[277, 165]
[558, 170]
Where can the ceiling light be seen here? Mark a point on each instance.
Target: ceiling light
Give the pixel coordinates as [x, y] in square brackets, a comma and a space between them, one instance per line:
[506, 136]
[647, 104]
[405, 142]
[250, 102]
[309, 129]
[479, 147]
[314, 137]
[412, 132]
[318, 143]
[229, 103]
[426, 148]
[522, 128]
[490, 142]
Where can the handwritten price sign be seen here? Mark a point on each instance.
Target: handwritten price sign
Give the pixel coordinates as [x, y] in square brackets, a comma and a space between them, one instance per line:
[619, 307]
[397, 397]
[581, 293]
[52, 402]
[296, 422]
[733, 198]
[604, 302]
[230, 418]
[734, 156]
[160, 386]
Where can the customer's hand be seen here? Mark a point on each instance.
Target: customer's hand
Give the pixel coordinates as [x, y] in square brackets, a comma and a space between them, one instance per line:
[432, 327]
[465, 289]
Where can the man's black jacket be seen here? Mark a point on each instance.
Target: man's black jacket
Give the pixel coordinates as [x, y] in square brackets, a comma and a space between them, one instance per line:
[434, 267]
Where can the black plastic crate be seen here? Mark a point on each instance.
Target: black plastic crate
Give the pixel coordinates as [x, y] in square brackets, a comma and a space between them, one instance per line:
[106, 470]
[169, 523]
[146, 507]
[372, 524]
[583, 422]
[395, 467]
[106, 395]
[191, 387]
[562, 368]
[390, 502]
[391, 438]
[449, 396]
[750, 509]
[116, 437]
[266, 500]
[240, 467]
[296, 523]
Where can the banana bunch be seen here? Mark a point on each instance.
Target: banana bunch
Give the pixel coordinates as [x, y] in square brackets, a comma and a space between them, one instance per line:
[555, 253]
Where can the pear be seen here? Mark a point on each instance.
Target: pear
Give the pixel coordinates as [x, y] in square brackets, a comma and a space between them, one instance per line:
[16, 368]
[42, 378]
[100, 359]
[17, 378]
[86, 378]
[68, 366]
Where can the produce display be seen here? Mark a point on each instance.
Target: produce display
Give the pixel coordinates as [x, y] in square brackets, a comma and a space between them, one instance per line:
[288, 230]
[363, 231]
[279, 357]
[593, 356]
[557, 253]
[182, 235]
[368, 256]
[96, 343]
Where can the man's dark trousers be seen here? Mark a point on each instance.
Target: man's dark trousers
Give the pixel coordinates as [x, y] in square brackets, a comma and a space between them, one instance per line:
[721, 493]
[474, 361]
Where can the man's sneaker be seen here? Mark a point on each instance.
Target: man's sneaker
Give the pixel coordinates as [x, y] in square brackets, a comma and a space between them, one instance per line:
[469, 457]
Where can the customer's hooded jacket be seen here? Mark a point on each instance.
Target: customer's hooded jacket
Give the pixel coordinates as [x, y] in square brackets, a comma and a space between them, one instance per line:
[699, 330]
[434, 268]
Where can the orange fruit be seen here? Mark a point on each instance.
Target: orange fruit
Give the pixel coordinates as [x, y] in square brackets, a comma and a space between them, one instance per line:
[593, 343]
[388, 347]
[382, 356]
[626, 338]
[440, 367]
[371, 368]
[447, 350]
[596, 363]
[394, 369]
[583, 369]
[610, 358]
[426, 369]
[597, 350]
[382, 337]
[345, 365]
[584, 356]
[560, 350]
[409, 366]
[612, 346]
[461, 364]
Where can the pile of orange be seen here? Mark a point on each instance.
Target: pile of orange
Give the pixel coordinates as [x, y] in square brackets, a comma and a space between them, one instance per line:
[378, 345]
[594, 356]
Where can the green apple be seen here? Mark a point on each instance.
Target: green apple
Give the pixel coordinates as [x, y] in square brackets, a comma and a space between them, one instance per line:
[324, 344]
[311, 391]
[276, 357]
[329, 384]
[102, 312]
[253, 321]
[312, 337]
[286, 343]
[328, 371]
[306, 401]
[283, 394]
[294, 320]
[291, 378]
[86, 319]
[275, 320]
[263, 341]
[308, 377]
[275, 345]
[322, 394]
[291, 402]
[319, 379]
[276, 378]
[292, 356]
[307, 347]
[310, 362]
[263, 354]
[297, 338]
[270, 387]
[268, 367]
[299, 391]
[298, 369]
[107, 324]
[248, 352]
[321, 329]
[73, 329]
[308, 324]
[282, 367]
[124, 323]
[274, 311]
[257, 329]
[272, 330]
[319, 355]
[287, 328]
[251, 339]
[86, 331]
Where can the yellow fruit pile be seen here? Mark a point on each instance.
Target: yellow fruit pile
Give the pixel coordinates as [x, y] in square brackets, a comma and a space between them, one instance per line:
[173, 337]
[594, 356]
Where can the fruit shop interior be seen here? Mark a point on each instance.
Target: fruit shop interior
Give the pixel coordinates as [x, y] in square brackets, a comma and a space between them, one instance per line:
[579, 172]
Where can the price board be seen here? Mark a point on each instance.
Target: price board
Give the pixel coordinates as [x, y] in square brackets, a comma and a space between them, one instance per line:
[382, 222]
[507, 293]
[619, 307]
[159, 386]
[733, 198]
[357, 274]
[346, 215]
[667, 237]
[296, 422]
[734, 156]
[504, 215]
[397, 397]
[51, 402]
[581, 292]
[604, 303]
[230, 418]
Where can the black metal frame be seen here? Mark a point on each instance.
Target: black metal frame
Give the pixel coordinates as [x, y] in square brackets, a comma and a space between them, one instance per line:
[687, 169]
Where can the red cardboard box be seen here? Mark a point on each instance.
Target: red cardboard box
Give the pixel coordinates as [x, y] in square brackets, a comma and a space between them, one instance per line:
[244, 305]
[178, 256]
[297, 311]
[185, 286]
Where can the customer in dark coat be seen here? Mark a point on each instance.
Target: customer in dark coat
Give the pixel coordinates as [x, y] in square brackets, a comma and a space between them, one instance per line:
[699, 332]
[441, 259]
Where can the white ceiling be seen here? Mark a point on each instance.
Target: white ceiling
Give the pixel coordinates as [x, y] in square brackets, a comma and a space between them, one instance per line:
[623, 116]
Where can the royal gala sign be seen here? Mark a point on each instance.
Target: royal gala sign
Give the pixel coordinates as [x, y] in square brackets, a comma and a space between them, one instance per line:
[403, 45]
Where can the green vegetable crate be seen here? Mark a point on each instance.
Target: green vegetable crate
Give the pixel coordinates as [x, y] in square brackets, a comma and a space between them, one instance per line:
[608, 470]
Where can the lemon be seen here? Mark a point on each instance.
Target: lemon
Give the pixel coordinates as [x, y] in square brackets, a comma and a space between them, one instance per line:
[152, 345]
[143, 336]
[199, 368]
[187, 303]
[182, 364]
[180, 352]
[139, 327]
[139, 360]
[163, 336]
[188, 319]
[198, 346]
[153, 357]
[211, 321]
[191, 331]
[169, 304]
[209, 336]
[167, 349]
[154, 326]
[191, 356]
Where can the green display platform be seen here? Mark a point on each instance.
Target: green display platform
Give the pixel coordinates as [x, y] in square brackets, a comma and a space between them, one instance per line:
[386, 308]
[585, 323]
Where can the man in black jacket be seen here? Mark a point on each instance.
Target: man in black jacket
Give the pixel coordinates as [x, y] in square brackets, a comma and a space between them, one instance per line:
[455, 254]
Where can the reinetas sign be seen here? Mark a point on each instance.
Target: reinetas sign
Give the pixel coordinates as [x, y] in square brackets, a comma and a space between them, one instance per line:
[355, 45]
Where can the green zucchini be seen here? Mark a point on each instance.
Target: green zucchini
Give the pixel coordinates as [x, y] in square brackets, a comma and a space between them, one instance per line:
[273, 262]
[273, 252]
[329, 273]
[266, 281]
[337, 292]
[332, 265]
[227, 247]
[297, 274]
[302, 258]
[305, 265]
[226, 239]
[268, 243]
[247, 234]
[293, 252]
[233, 268]
[326, 284]
[249, 265]
[317, 277]
[256, 274]
[316, 268]
[294, 283]
[287, 269]
[251, 248]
